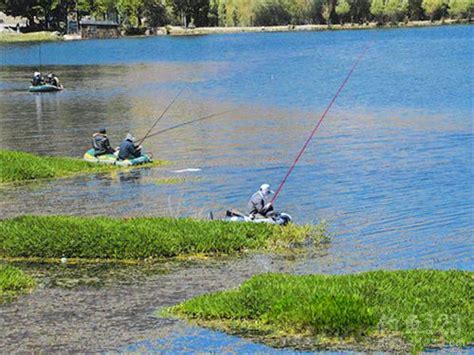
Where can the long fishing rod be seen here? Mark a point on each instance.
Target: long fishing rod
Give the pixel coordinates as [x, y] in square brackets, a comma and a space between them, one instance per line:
[161, 116]
[359, 58]
[190, 122]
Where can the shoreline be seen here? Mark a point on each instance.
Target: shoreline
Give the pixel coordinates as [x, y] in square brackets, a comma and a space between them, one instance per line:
[13, 38]
[180, 31]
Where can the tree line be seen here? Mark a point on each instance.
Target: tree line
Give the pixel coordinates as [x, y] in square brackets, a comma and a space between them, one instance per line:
[141, 14]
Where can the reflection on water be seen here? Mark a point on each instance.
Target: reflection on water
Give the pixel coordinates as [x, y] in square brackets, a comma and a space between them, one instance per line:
[390, 169]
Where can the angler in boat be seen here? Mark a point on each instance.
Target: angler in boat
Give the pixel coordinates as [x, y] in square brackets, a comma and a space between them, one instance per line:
[101, 143]
[128, 149]
[53, 80]
[259, 203]
[39, 85]
[37, 79]
[260, 210]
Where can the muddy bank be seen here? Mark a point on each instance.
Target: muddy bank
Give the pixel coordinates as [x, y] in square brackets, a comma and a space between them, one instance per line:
[89, 319]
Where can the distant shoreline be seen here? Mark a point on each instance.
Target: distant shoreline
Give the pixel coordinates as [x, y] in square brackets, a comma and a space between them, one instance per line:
[180, 31]
[43, 36]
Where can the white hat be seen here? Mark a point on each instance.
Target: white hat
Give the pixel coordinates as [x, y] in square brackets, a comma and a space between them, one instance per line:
[37, 73]
[130, 137]
[265, 188]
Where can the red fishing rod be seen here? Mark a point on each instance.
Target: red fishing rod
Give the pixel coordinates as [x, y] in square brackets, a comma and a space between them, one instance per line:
[313, 132]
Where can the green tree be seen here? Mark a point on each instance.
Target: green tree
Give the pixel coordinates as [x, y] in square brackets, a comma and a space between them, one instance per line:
[155, 13]
[327, 11]
[213, 16]
[235, 17]
[395, 10]
[342, 10]
[433, 8]
[461, 8]
[377, 9]
[222, 12]
[272, 13]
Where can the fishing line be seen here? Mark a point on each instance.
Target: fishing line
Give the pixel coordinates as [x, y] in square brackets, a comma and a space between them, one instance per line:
[161, 116]
[313, 132]
[190, 122]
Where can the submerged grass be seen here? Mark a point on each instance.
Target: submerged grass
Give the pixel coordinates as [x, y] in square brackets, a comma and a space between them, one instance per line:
[422, 307]
[13, 282]
[139, 238]
[21, 166]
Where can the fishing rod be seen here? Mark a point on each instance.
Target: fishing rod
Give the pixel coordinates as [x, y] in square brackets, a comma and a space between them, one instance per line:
[190, 122]
[140, 142]
[359, 58]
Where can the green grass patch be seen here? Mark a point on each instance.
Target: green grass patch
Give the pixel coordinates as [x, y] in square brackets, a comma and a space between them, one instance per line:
[420, 307]
[44, 36]
[21, 166]
[139, 238]
[13, 282]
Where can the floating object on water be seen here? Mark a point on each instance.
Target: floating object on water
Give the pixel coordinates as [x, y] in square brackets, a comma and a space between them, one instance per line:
[45, 88]
[111, 159]
[281, 219]
[189, 170]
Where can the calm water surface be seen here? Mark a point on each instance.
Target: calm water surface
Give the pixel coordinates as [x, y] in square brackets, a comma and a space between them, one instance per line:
[391, 169]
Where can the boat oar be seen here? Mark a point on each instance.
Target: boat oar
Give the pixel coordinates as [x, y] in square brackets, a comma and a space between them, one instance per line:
[190, 122]
[140, 142]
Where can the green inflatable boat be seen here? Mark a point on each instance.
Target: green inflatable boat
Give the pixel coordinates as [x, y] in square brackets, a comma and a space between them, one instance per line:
[112, 159]
[45, 88]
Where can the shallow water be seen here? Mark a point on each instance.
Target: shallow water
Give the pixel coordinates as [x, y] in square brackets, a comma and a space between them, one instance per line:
[390, 169]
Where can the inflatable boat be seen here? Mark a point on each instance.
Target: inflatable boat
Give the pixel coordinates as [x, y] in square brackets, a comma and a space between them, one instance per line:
[111, 159]
[281, 219]
[45, 88]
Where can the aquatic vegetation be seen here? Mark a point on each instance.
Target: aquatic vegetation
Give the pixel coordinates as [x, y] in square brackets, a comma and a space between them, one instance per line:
[419, 307]
[13, 282]
[170, 180]
[139, 238]
[21, 166]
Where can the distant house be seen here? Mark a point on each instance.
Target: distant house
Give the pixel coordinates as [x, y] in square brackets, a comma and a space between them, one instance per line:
[99, 29]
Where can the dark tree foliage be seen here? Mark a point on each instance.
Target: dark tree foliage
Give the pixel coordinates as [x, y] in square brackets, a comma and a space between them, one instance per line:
[155, 13]
[272, 14]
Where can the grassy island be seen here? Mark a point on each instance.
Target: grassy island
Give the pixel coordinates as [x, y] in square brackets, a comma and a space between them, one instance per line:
[139, 238]
[20, 166]
[379, 310]
[13, 282]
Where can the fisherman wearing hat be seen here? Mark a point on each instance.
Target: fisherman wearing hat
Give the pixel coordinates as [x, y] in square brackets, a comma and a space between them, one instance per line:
[53, 80]
[101, 144]
[37, 79]
[260, 204]
[128, 149]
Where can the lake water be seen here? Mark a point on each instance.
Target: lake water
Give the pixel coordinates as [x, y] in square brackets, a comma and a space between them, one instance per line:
[391, 168]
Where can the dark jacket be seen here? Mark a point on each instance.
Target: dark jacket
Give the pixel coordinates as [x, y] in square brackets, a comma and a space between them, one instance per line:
[101, 144]
[128, 150]
[37, 80]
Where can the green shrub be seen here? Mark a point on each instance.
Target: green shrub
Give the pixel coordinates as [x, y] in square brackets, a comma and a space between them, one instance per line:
[137, 238]
[13, 282]
[426, 307]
